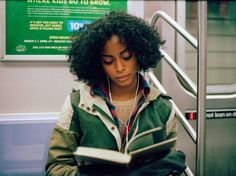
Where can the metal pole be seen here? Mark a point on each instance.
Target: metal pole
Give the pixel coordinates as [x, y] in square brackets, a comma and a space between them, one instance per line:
[201, 98]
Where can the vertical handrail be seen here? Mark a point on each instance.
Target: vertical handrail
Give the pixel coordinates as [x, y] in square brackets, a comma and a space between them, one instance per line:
[201, 92]
[194, 43]
[201, 89]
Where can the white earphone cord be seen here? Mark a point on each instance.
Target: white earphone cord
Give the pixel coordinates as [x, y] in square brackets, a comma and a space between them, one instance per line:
[131, 112]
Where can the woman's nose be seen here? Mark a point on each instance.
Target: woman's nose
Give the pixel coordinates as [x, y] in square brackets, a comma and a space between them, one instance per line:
[120, 66]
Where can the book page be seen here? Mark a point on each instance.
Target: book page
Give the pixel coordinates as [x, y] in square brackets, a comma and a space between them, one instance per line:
[145, 144]
[145, 139]
[153, 149]
[98, 155]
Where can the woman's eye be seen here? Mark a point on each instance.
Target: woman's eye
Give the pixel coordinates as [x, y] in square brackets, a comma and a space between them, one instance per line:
[126, 55]
[107, 60]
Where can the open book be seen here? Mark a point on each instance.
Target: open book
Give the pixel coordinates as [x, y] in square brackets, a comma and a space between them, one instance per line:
[143, 145]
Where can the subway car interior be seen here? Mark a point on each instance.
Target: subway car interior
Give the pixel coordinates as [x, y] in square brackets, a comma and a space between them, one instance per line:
[198, 71]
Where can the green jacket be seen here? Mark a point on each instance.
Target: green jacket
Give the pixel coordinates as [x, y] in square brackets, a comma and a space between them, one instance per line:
[85, 120]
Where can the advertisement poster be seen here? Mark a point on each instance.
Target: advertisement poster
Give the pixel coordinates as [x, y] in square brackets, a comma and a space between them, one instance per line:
[45, 27]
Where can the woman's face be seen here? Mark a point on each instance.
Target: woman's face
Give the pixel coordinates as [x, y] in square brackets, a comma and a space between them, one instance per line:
[119, 63]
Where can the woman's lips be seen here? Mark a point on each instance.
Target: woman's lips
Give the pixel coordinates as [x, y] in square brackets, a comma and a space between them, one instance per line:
[123, 78]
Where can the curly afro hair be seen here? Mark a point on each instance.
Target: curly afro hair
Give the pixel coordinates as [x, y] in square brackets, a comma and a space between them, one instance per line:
[84, 55]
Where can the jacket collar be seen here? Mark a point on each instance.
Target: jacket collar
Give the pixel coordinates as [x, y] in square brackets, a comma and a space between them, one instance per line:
[90, 101]
[153, 94]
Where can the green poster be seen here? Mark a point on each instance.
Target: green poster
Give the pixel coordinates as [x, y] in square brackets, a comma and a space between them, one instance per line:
[45, 27]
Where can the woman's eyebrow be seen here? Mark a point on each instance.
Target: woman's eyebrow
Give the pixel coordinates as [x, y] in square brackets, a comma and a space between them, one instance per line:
[124, 50]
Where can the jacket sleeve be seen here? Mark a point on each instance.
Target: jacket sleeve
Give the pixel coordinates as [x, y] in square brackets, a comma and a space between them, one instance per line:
[62, 144]
[171, 125]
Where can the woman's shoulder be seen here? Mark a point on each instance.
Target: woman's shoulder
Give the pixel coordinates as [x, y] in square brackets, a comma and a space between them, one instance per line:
[162, 103]
[81, 88]
[75, 94]
[157, 96]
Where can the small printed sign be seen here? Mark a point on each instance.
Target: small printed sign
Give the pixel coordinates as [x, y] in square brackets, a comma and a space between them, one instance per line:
[212, 114]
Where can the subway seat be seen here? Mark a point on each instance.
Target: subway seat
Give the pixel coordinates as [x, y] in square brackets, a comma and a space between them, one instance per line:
[24, 143]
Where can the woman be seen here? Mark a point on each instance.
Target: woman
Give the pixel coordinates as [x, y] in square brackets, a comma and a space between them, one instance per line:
[115, 103]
